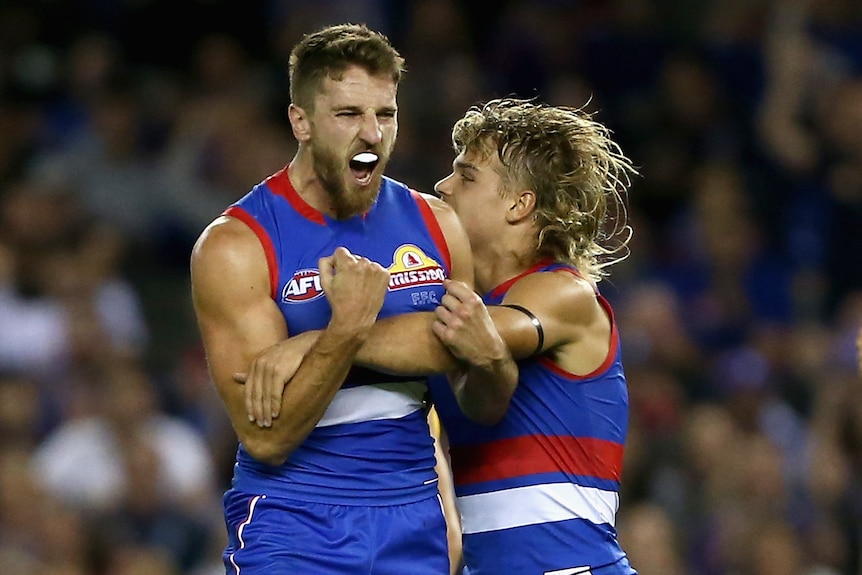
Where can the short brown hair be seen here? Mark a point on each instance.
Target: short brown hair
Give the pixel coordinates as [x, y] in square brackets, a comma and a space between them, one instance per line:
[329, 51]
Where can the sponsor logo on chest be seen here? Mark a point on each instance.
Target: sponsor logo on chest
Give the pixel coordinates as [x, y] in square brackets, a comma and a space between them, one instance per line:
[410, 267]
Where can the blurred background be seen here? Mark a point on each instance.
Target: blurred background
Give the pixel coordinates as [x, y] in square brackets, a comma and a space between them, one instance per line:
[127, 125]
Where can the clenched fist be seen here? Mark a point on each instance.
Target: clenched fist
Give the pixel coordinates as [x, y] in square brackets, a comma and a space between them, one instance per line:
[355, 287]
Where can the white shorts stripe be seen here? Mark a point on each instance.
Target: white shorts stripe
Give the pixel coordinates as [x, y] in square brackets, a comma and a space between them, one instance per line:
[536, 504]
[373, 402]
[570, 571]
[241, 528]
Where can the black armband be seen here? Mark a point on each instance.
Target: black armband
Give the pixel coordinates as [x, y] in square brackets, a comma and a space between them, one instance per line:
[534, 320]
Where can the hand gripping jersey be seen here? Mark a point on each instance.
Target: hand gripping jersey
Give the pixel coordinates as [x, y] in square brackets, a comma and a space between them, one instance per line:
[372, 446]
[538, 492]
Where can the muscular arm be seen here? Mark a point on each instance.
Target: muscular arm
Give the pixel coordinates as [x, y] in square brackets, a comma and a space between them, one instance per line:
[238, 320]
[576, 328]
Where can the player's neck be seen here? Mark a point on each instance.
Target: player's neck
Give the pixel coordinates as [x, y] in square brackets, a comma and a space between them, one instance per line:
[307, 185]
[494, 267]
[511, 253]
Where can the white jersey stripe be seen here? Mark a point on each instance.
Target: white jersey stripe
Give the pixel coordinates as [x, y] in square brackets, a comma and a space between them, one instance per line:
[373, 402]
[534, 504]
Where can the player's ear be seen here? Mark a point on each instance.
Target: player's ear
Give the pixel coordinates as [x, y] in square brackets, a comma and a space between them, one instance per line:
[522, 207]
[299, 123]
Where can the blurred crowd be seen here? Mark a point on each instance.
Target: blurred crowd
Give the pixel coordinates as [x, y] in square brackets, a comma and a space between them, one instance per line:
[126, 126]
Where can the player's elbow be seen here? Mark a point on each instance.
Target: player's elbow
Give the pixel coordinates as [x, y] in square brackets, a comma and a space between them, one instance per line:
[265, 451]
[486, 402]
[487, 414]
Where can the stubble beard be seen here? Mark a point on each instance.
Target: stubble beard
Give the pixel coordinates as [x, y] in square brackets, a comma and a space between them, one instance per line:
[346, 200]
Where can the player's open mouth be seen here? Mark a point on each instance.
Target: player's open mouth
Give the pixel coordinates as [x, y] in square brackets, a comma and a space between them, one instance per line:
[362, 167]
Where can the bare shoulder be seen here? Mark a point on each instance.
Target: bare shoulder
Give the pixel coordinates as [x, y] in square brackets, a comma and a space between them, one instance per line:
[228, 253]
[577, 327]
[226, 242]
[574, 298]
[223, 238]
[438, 206]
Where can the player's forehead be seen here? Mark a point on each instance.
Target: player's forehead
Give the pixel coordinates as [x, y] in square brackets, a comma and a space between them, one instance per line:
[356, 87]
[477, 161]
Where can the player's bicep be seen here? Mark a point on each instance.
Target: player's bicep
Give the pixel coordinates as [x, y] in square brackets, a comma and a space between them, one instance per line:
[236, 315]
[536, 323]
[522, 337]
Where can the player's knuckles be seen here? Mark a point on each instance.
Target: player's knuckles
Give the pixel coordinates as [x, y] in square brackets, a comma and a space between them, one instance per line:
[463, 313]
[471, 304]
[260, 363]
[444, 332]
[374, 269]
[268, 368]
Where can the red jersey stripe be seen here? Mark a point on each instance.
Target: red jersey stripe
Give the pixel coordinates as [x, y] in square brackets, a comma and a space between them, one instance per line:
[533, 454]
[265, 241]
[280, 184]
[434, 228]
[504, 287]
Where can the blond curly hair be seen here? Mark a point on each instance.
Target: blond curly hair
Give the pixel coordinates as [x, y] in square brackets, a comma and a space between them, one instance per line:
[579, 175]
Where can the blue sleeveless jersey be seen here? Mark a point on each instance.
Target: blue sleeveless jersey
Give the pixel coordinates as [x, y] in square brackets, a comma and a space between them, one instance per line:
[539, 491]
[372, 446]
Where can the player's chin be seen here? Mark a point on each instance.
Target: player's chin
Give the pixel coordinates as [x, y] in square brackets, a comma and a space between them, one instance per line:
[361, 196]
[366, 185]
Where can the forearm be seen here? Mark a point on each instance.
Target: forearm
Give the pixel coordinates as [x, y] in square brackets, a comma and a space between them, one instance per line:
[402, 345]
[406, 345]
[308, 394]
[484, 392]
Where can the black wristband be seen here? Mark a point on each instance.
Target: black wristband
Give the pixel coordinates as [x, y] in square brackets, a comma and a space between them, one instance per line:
[534, 320]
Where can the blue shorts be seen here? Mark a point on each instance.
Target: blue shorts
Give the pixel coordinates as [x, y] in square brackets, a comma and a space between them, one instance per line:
[268, 535]
[621, 567]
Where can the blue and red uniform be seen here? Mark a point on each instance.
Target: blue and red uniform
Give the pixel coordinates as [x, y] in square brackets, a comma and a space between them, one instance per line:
[360, 493]
[539, 491]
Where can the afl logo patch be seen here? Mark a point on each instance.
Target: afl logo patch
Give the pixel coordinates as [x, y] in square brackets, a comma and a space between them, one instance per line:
[304, 286]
